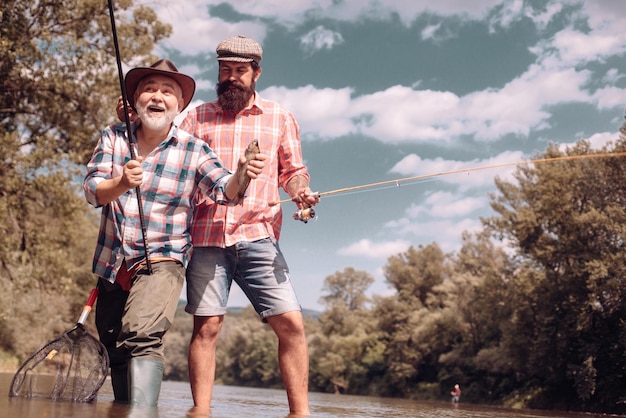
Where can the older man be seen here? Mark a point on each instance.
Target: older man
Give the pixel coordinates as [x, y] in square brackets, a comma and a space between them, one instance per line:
[136, 307]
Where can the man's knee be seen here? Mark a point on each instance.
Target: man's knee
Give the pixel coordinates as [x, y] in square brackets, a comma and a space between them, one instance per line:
[207, 328]
[288, 325]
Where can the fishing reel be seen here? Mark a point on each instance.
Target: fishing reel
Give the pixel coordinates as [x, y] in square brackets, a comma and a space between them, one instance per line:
[304, 215]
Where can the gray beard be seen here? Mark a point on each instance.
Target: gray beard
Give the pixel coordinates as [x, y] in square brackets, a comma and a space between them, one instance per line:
[156, 122]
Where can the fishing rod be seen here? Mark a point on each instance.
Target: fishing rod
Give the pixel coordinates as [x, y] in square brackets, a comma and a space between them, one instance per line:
[142, 220]
[307, 214]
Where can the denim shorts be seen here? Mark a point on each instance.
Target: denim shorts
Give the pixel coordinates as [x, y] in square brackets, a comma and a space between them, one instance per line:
[259, 269]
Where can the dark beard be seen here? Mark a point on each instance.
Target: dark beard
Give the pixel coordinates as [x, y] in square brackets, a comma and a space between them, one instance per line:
[234, 100]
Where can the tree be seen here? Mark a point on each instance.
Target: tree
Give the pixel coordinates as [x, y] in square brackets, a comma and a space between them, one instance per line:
[57, 74]
[411, 321]
[415, 273]
[347, 288]
[346, 352]
[247, 353]
[567, 223]
[477, 304]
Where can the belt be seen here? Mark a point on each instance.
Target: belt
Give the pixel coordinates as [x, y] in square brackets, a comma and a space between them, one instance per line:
[153, 260]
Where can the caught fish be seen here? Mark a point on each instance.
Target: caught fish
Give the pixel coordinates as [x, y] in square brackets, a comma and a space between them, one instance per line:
[244, 180]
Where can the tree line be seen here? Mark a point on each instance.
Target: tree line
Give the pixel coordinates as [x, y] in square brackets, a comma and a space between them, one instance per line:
[528, 312]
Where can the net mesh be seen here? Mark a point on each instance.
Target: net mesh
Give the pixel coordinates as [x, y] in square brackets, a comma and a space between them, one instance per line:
[71, 367]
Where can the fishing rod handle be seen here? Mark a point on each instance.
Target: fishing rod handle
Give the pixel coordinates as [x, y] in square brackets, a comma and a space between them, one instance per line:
[88, 306]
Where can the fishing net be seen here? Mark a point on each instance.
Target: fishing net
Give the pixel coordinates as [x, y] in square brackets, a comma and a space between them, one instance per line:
[72, 367]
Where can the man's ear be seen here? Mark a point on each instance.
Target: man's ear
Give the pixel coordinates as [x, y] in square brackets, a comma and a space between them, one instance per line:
[257, 74]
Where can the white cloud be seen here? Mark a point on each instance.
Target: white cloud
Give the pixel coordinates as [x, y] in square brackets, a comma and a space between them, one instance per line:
[430, 31]
[464, 174]
[369, 249]
[610, 97]
[446, 233]
[605, 37]
[319, 112]
[613, 75]
[447, 205]
[401, 113]
[597, 141]
[196, 32]
[576, 47]
[511, 10]
[605, 14]
[291, 11]
[543, 18]
[320, 38]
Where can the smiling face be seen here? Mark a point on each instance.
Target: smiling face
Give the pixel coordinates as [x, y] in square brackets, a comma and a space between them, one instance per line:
[158, 100]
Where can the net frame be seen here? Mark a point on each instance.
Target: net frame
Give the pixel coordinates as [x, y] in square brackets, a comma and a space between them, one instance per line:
[71, 367]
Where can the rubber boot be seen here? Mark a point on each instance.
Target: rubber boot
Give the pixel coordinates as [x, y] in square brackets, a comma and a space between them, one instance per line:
[145, 377]
[119, 381]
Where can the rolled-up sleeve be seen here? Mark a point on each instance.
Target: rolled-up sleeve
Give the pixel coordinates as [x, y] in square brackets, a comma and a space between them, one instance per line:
[99, 167]
[290, 153]
[213, 176]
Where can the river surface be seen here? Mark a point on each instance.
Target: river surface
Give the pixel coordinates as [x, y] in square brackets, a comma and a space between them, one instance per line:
[239, 402]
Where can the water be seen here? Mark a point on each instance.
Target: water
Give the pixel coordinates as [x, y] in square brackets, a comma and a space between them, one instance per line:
[239, 402]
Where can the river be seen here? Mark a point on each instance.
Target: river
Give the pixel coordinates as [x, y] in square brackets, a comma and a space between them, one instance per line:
[239, 402]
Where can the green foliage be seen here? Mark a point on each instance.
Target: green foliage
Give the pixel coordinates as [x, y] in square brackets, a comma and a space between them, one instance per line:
[58, 76]
[59, 71]
[248, 353]
[415, 273]
[347, 289]
[411, 320]
[346, 350]
[567, 223]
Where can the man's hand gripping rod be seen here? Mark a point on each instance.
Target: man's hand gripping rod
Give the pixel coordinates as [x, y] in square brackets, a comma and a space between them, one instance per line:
[304, 215]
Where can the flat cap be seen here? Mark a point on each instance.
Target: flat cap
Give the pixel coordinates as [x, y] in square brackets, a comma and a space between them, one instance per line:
[239, 49]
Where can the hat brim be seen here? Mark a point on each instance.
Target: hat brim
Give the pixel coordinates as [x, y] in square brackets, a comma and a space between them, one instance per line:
[134, 76]
[236, 59]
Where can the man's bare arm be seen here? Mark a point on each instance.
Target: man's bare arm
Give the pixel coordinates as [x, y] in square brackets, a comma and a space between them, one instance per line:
[299, 191]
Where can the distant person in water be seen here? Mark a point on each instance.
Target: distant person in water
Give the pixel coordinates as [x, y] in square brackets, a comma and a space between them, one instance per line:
[456, 394]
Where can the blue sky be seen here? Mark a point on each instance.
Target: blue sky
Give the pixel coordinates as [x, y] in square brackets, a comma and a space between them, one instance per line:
[391, 89]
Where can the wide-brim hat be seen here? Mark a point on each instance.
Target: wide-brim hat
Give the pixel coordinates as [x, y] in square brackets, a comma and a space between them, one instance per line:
[239, 49]
[162, 67]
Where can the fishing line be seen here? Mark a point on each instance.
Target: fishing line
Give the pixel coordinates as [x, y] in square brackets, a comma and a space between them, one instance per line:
[386, 187]
[457, 171]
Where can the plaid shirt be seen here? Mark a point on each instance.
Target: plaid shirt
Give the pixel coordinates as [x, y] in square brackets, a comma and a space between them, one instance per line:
[229, 134]
[173, 175]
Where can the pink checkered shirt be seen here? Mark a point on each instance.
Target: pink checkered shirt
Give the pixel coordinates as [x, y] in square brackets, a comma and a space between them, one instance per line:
[228, 135]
